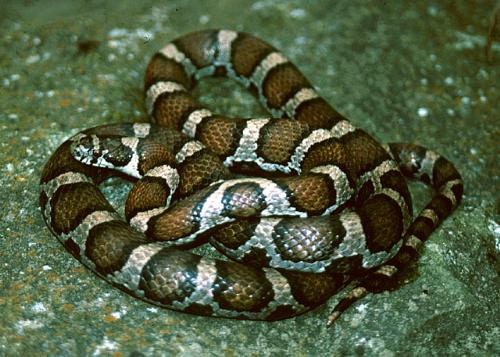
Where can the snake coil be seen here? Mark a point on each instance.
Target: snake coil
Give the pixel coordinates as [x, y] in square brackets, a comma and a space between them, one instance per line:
[330, 206]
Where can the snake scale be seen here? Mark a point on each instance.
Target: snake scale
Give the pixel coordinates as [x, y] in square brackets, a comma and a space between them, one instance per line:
[316, 204]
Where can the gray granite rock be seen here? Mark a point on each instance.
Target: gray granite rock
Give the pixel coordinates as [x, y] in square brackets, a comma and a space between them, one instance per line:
[402, 70]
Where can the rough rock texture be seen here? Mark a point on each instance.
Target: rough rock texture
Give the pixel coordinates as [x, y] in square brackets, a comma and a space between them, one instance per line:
[402, 70]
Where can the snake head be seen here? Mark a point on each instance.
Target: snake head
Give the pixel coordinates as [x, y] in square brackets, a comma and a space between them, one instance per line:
[103, 152]
[87, 149]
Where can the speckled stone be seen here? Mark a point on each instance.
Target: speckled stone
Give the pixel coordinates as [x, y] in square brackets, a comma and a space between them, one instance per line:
[402, 70]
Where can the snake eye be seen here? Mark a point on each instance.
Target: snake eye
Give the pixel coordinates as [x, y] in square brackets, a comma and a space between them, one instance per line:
[95, 153]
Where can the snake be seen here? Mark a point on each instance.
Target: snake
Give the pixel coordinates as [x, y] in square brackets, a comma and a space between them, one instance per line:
[303, 202]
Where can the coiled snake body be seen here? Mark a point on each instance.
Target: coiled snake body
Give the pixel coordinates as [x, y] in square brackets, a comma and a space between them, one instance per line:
[332, 206]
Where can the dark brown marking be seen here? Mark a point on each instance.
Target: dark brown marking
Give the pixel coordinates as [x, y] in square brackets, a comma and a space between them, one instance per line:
[220, 71]
[66, 215]
[279, 138]
[308, 240]
[164, 69]
[405, 256]
[421, 228]
[198, 171]
[458, 190]
[220, 134]
[110, 244]
[312, 289]
[152, 154]
[382, 222]
[329, 152]
[441, 205]
[147, 193]
[200, 47]
[281, 83]
[171, 139]
[394, 180]
[379, 282]
[241, 288]
[317, 113]
[43, 199]
[234, 234]
[443, 171]
[199, 309]
[348, 266]
[364, 152]
[73, 248]
[312, 193]
[181, 219]
[247, 53]
[256, 257]
[169, 276]
[172, 109]
[243, 200]
[282, 312]
[364, 192]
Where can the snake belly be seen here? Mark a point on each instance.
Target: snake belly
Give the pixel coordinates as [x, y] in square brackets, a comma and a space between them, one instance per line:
[333, 206]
